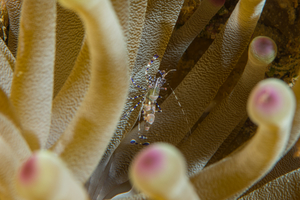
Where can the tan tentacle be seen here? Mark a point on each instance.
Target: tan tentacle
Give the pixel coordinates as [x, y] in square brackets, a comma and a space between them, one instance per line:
[121, 8]
[6, 68]
[14, 11]
[85, 140]
[32, 86]
[295, 132]
[234, 174]
[285, 165]
[183, 37]
[69, 35]
[45, 176]
[220, 122]
[69, 41]
[8, 168]
[71, 94]
[284, 187]
[70, 97]
[11, 130]
[160, 172]
[137, 10]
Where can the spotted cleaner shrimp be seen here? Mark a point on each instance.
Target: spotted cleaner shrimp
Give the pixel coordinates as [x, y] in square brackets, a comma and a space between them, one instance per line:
[149, 105]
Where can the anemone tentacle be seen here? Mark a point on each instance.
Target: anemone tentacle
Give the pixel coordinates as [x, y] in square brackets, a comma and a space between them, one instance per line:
[88, 134]
[225, 116]
[31, 94]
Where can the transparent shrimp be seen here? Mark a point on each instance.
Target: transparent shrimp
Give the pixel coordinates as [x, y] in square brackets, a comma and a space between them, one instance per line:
[149, 105]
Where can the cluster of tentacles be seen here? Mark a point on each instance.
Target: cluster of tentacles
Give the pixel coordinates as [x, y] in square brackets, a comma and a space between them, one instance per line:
[64, 90]
[28, 171]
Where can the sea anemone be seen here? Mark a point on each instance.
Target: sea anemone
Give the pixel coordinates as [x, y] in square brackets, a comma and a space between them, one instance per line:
[76, 119]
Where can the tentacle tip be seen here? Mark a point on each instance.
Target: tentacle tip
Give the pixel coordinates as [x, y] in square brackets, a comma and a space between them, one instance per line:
[267, 99]
[158, 169]
[29, 171]
[271, 101]
[262, 49]
[217, 3]
[149, 162]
